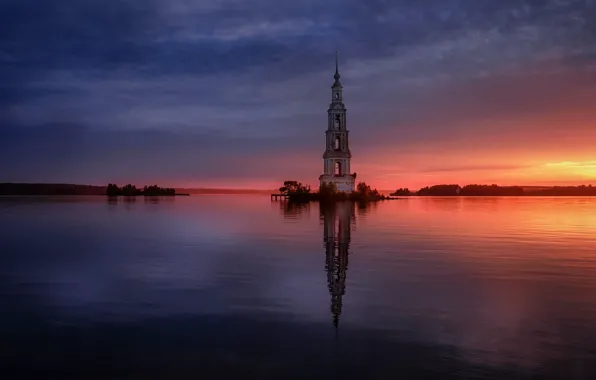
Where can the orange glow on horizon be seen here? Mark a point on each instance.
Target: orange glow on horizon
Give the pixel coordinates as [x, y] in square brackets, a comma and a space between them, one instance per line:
[561, 173]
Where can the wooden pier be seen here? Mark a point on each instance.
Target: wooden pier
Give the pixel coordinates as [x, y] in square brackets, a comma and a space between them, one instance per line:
[279, 196]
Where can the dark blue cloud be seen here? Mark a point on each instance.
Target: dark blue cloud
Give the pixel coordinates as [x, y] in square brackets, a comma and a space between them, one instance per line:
[84, 84]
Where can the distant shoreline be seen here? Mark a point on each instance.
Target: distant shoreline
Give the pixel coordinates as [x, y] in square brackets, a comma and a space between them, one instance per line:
[453, 190]
[45, 189]
[54, 189]
[142, 195]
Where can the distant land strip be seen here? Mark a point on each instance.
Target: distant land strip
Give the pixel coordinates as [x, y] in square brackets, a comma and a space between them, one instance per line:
[76, 189]
[498, 191]
[437, 190]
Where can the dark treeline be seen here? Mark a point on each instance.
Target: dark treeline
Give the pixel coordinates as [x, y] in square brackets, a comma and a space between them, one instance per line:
[50, 189]
[494, 190]
[564, 191]
[131, 190]
[297, 192]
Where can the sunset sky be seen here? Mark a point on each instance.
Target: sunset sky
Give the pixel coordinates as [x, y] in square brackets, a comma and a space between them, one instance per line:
[229, 93]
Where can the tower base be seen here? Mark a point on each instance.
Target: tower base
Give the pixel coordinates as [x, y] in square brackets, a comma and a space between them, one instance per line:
[344, 183]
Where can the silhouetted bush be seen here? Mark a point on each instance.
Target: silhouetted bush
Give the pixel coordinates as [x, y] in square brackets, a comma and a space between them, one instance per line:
[566, 191]
[328, 192]
[131, 190]
[493, 190]
[401, 192]
[440, 190]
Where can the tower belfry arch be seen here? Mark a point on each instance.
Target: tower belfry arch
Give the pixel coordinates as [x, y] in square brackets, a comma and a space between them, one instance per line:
[337, 156]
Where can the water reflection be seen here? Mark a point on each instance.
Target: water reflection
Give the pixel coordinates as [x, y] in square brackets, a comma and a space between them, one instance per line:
[478, 288]
[365, 208]
[293, 210]
[337, 219]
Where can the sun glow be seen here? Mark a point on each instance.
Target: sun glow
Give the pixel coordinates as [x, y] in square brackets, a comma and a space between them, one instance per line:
[585, 169]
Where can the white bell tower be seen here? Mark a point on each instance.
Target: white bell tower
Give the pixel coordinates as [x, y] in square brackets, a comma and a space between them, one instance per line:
[337, 154]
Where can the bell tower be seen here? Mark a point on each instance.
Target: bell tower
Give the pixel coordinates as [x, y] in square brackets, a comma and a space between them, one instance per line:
[336, 159]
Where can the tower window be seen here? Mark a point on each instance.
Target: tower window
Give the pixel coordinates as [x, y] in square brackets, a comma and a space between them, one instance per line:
[336, 142]
[337, 95]
[337, 121]
[337, 170]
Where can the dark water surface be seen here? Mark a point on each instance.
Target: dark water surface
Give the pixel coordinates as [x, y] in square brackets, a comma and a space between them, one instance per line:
[240, 287]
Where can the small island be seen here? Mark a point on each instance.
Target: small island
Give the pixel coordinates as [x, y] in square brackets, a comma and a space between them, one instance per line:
[131, 191]
[295, 191]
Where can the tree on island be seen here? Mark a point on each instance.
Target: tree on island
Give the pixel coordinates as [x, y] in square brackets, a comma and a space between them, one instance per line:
[401, 192]
[296, 191]
[364, 191]
[440, 190]
[156, 190]
[328, 191]
[113, 189]
[493, 190]
[131, 190]
[294, 187]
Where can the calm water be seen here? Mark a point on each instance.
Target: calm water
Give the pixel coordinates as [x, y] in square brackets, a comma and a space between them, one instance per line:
[225, 287]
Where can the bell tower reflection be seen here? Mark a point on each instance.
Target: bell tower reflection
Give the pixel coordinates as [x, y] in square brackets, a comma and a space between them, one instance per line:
[337, 218]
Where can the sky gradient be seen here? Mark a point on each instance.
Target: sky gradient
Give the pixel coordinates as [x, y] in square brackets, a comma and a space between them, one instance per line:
[226, 93]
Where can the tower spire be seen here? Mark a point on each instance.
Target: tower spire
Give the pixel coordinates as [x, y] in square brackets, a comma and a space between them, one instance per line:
[336, 76]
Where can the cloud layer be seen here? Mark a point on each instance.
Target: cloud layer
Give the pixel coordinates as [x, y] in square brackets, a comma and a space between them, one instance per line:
[235, 93]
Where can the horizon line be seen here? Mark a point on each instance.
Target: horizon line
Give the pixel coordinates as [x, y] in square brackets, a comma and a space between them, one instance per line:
[275, 188]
